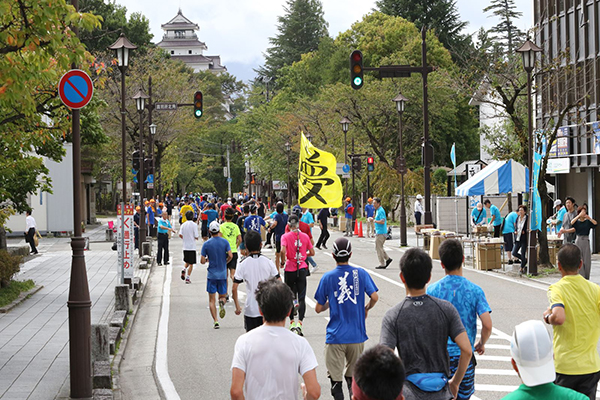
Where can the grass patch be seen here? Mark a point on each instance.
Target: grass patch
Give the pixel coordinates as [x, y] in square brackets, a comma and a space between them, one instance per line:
[13, 290]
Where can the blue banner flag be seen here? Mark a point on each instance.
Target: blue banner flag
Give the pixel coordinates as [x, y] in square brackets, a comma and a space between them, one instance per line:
[453, 154]
[536, 204]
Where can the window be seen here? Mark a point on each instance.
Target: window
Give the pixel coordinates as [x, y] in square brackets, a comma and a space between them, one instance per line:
[179, 34]
[172, 51]
[189, 52]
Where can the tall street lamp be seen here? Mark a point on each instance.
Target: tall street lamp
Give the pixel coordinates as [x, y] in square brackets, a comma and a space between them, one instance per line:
[400, 101]
[288, 148]
[528, 51]
[345, 122]
[140, 103]
[121, 48]
[308, 137]
[152, 134]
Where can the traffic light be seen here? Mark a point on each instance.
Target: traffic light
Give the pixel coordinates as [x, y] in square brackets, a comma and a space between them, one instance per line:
[356, 69]
[370, 164]
[147, 168]
[136, 160]
[198, 104]
[356, 163]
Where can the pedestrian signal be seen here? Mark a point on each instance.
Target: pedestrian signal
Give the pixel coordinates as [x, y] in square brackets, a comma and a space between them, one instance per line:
[356, 163]
[370, 164]
[198, 104]
[356, 69]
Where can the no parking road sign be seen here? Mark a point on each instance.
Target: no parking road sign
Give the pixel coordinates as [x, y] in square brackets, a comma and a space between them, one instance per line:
[75, 89]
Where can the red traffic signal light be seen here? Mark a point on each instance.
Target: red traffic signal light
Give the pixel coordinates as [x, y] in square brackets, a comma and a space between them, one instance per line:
[370, 164]
[198, 104]
[356, 69]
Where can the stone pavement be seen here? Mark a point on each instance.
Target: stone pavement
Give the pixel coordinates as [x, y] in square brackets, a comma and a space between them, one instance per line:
[34, 336]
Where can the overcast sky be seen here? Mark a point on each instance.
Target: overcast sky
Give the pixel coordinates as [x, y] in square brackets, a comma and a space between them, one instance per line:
[239, 30]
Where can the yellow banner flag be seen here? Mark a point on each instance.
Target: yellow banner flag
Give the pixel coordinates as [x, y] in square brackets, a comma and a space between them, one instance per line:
[318, 184]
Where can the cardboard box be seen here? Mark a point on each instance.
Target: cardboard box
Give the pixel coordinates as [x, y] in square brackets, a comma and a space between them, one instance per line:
[434, 245]
[488, 255]
[418, 228]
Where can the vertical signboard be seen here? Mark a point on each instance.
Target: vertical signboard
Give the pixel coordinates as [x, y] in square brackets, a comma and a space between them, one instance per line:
[126, 254]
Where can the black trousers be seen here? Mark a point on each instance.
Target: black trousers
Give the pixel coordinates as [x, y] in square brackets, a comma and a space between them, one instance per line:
[269, 235]
[163, 247]
[323, 237]
[296, 280]
[136, 236]
[586, 384]
[29, 238]
[418, 218]
[252, 322]
[522, 246]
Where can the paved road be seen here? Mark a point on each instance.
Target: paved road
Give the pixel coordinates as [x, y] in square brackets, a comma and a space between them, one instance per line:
[198, 357]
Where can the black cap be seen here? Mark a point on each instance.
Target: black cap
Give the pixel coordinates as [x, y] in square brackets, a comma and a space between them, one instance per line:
[342, 247]
[293, 219]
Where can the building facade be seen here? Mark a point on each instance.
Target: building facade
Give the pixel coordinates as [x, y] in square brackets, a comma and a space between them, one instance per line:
[569, 35]
[181, 42]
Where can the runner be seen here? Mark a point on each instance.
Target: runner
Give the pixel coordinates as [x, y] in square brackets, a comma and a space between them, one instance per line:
[254, 222]
[304, 227]
[189, 233]
[278, 227]
[231, 232]
[342, 292]
[322, 217]
[183, 211]
[240, 223]
[295, 245]
[254, 269]
[217, 253]
[211, 215]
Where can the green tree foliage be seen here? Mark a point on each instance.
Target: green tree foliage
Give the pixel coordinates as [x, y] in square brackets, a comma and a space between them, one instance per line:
[506, 32]
[440, 15]
[37, 46]
[114, 21]
[299, 32]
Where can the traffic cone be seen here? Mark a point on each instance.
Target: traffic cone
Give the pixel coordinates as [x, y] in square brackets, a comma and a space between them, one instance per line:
[355, 227]
[360, 231]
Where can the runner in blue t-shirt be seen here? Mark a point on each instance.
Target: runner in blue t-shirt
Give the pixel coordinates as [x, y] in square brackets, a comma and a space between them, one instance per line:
[217, 252]
[253, 221]
[342, 291]
[470, 302]
[278, 228]
[211, 215]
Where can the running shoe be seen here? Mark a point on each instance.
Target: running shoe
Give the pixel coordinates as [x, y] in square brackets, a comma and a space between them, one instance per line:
[187, 280]
[183, 274]
[221, 309]
[299, 329]
[313, 269]
[216, 325]
[293, 326]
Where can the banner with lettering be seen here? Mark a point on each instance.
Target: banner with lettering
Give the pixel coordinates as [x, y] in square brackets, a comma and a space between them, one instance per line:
[536, 209]
[318, 184]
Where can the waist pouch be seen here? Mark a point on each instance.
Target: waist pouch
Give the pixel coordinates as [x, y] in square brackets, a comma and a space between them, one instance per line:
[429, 382]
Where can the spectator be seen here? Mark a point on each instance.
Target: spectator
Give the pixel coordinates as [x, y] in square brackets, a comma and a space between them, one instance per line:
[470, 302]
[349, 214]
[521, 237]
[369, 214]
[419, 327]
[567, 230]
[557, 219]
[508, 233]
[30, 230]
[164, 227]
[575, 315]
[583, 223]
[267, 360]
[342, 292]
[418, 210]
[378, 375]
[254, 269]
[531, 352]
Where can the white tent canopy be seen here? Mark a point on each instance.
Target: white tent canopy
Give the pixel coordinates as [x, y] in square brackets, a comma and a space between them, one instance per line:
[497, 178]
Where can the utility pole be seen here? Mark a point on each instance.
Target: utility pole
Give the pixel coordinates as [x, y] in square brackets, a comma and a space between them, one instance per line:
[150, 107]
[228, 173]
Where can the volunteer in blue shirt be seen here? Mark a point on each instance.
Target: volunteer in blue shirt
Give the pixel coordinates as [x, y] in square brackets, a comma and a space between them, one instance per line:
[496, 218]
[369, 214]
[508, 231]
[164, 227]
[380, 234]
[342, 292]
[557, 218]
[478, 215]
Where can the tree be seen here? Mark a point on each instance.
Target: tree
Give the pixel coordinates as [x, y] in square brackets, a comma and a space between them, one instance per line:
[506, 32]
[300, 31]
[37, 46]
[440, 15]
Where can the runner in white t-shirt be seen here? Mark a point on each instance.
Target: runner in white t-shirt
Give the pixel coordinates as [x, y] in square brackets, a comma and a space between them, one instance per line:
[254, 269]
[189, 233]
[267, 360]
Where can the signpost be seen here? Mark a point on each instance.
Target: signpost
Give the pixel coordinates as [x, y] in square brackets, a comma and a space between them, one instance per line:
[126, 246]
[164, 106]
[75, 89]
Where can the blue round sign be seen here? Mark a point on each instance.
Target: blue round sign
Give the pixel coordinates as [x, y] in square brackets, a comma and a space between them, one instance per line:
[75, 89]
[346, 168]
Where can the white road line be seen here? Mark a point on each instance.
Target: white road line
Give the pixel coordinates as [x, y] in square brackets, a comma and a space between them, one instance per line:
[483, 371]
[162, 362]
[495, 388]
[498, 276]
[497, 346]
[493, 358]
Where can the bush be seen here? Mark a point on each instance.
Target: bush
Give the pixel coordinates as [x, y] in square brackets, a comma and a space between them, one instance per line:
[9, 267]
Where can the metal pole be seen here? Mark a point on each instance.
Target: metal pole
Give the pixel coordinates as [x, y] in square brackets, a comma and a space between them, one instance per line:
[228, 173]
[124, 168]
[79, 303]
[150, 107]
[353, 187]
[426, 160]
[289, 188]
[532, 256]
[345, 162]
[142, 208]
[403, 236]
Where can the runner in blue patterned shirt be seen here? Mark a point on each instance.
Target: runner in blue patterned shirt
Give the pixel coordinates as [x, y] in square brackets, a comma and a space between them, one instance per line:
[470, 302]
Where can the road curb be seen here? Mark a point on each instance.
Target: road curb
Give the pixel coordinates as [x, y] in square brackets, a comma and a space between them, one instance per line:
[22, 297]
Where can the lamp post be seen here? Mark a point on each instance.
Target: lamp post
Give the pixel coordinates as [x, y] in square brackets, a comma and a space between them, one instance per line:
[528, 51]
[345, 122]
[400, 101]
[140, 103]
[152, 134]
[308, 137]
[122, 47]
[288, 149]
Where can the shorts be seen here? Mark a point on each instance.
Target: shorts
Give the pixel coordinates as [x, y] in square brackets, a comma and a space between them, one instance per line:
[467, 386]
[216, 286]
[586, 384]
[233, 263]
[278, 245]
[508, 241]
[204, 231]
[252, 322]
[189, 256]
[339, 355]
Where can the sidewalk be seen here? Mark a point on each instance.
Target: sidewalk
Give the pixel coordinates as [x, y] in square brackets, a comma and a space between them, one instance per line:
[34, 336]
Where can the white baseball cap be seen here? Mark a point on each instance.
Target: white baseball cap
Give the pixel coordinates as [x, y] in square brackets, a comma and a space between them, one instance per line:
[531, 348]
[214, 227]
[419, 197]
[557, 203]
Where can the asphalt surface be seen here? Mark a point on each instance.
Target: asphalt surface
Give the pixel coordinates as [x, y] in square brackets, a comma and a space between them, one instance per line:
[199, 357]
